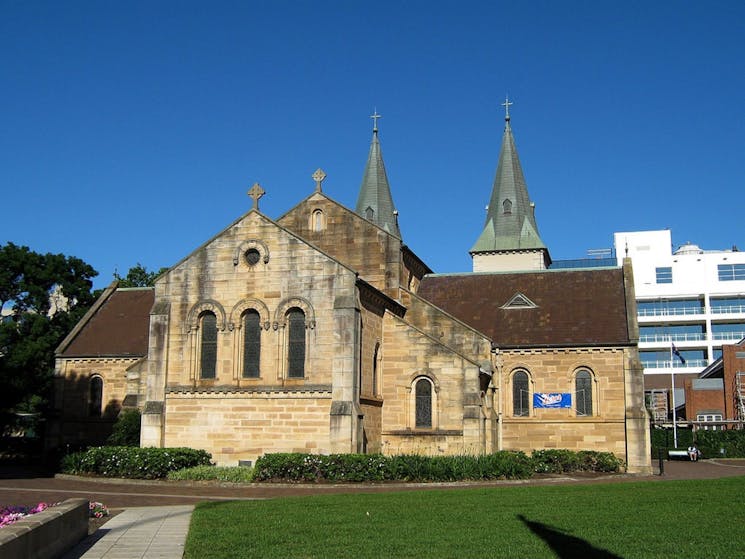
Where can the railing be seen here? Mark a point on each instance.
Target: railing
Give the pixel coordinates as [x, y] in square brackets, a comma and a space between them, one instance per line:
[730, 309]
[680, 311]
[692, 311]
[665, 364]
[683, 337]
[728, 335]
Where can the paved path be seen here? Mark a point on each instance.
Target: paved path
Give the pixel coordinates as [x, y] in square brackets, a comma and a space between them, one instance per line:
[156, 515]
[141, 532]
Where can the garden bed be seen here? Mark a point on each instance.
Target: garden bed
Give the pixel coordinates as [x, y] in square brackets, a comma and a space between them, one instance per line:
[46, 534]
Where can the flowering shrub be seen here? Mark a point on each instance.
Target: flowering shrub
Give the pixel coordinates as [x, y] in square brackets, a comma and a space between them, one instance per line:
[133, 462]
[97, 510]
[11, 514]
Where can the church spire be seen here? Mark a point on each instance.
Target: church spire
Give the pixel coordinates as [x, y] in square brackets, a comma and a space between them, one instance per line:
[510, 220]
[375, 202]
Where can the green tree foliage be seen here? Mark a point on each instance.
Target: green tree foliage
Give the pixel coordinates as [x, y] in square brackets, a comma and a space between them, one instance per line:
[126, 430]
[138, 276]
[42, 297]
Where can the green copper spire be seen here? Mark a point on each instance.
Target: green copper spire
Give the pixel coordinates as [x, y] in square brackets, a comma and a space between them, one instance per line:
[510, 219]
[375, 202]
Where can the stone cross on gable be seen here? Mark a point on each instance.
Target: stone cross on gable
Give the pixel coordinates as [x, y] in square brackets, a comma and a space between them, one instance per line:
[255, 193]
[318, 176]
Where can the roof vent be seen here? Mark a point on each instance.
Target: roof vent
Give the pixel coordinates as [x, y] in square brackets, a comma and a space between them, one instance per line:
[519, 301]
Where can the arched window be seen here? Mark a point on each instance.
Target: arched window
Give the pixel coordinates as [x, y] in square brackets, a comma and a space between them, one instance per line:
[317, 220]
[295, 343]
[423, 399]
[583, 392]
[251, 344]
[375, 369]
[208, 345]
[520, 394]
[95, 396]
[507, 206]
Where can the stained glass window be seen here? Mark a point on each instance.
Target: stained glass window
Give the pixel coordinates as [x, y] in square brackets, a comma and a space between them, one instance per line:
[423, 391]
[296, 343]
[583, 392]
[520, 394]
[251, 344]
[208, 348]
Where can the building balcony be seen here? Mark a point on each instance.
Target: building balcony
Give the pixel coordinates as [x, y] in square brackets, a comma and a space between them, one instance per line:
[728, 336]
[643, 313]
[667, 338]
[689, 366]
[731, 309]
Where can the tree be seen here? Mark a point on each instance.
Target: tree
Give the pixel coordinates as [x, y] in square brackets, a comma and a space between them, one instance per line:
[42, 297]
[138, 276]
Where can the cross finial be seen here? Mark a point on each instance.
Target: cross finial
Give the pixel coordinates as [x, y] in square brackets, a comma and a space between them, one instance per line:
[255, 193]
[506, 106]
[375, 116]
[318, 176]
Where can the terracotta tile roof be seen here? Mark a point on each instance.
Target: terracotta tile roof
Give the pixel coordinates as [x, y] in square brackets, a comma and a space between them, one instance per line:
[572, 307]
[118, 328]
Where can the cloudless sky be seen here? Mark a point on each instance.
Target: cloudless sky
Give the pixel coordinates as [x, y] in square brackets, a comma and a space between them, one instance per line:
[131, 131]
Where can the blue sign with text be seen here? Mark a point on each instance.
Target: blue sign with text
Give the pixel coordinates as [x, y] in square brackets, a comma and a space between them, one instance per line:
[552, 400]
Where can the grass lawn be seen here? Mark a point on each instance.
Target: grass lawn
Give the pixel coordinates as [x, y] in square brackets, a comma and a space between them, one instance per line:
[688, 519]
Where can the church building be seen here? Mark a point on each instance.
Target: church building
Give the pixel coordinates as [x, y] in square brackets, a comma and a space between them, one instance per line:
[321, 331]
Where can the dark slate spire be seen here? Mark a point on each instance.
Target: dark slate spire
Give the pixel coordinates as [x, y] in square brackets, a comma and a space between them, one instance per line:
[510, 220]
[375, 202]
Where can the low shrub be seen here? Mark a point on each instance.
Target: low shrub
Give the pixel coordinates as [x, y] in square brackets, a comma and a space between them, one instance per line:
[297, 467]
[126, 429]
[232, 474]
[132, 462]
[555, 461]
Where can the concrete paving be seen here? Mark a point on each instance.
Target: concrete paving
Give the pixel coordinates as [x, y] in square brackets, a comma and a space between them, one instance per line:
[138, 533]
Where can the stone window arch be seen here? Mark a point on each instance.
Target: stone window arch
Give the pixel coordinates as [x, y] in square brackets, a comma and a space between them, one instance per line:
[251, 253]
[280, 315]
[95, 395]
[507, 206]
[521, 392]
[207, 305]
[242, 306]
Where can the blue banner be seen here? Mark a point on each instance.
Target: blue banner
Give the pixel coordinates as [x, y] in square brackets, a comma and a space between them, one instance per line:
[552, 400]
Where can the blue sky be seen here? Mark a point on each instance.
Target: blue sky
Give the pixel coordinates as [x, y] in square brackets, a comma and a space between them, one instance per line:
[131, 131]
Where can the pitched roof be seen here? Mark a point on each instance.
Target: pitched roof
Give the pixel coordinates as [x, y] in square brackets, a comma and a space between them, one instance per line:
[572, 307]
[119, 326]
[375, 202]
[510, 220]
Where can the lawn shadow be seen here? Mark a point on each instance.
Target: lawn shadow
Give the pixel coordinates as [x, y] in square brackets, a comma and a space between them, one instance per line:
[564, 545]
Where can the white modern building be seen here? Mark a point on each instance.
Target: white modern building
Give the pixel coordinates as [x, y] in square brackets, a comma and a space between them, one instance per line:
[689, 297]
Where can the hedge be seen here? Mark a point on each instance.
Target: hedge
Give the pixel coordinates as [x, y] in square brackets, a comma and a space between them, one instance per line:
[133, 462]
[710, 443]
[298, 467]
